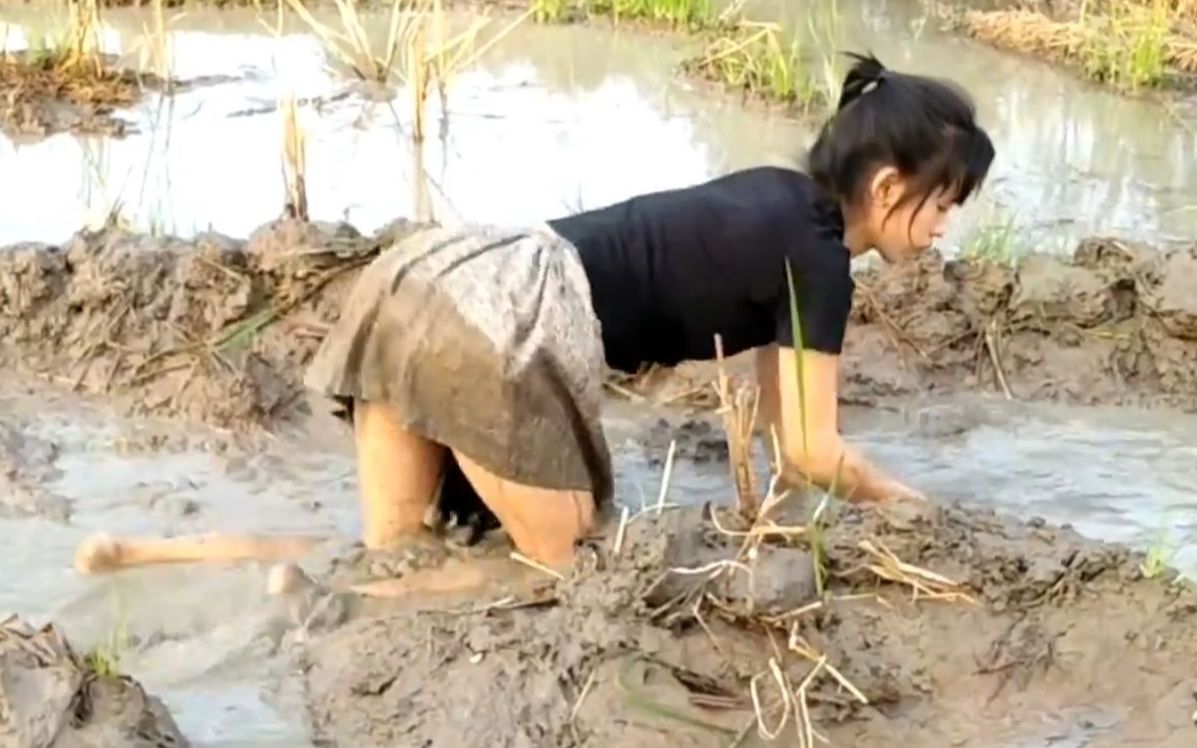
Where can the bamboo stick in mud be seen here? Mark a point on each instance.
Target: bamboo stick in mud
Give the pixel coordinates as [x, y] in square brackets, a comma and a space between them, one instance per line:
[103, 553]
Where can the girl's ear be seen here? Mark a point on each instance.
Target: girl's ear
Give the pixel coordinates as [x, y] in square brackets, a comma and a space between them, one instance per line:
[886, 188]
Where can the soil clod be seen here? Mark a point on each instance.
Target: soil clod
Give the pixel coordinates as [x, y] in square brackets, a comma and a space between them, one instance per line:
[50, 697]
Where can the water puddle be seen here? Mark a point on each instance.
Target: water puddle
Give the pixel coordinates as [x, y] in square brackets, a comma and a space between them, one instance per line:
[556, 119]
[1115, 474]
[204, 646]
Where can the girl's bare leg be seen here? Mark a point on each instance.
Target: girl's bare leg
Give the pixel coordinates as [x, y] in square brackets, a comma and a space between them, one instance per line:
[398, 475]
[544, 524]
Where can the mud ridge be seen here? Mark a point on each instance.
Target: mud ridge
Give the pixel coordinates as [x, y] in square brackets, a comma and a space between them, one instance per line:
[1113, 324]
[220, 330]
[45, 96]
[50, 697]
[630, 653]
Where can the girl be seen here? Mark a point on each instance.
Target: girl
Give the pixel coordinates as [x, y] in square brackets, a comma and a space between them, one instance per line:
[471, 361]
[476, 356]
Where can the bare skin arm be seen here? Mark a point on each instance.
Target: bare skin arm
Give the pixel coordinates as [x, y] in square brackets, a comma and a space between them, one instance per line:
[824, 459]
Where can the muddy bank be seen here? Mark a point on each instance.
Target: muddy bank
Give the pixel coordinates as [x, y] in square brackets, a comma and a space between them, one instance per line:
[41, 96]
[51, 697]
[1129, 46]
[214, 329]
[1015, 649]
[1114, 324]
[220, 330]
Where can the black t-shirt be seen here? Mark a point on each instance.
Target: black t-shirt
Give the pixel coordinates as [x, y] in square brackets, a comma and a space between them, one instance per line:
[669, 270]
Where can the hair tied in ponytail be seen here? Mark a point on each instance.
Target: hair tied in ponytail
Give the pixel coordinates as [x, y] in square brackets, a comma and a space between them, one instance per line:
[865, 75]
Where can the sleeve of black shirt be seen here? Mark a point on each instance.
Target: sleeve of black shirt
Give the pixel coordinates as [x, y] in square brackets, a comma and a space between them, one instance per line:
[823, 289]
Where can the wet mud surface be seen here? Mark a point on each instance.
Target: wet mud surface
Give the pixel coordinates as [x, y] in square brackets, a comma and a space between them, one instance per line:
[1114, 324]
[52, 697]
[40, 97]
[634, 650]
[220, 330]
[1033, 653]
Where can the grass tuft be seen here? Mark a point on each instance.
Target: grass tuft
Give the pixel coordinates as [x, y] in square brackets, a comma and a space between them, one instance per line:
[551, 11]
[155, 47]
[1126, 44]
[757, 60]
[350, 44]
[421, 51]
[104, 660]
[687, 13]
[692, 15]
[996, 243]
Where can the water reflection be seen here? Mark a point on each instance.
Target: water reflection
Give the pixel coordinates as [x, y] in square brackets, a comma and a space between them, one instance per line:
[1073, 159]
[1118, 474]
[557, 119]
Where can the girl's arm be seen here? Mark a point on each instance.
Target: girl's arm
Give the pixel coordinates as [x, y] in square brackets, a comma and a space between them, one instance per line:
[822, 458]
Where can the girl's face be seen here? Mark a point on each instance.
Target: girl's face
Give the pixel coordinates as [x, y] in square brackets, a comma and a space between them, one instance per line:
[902, 232]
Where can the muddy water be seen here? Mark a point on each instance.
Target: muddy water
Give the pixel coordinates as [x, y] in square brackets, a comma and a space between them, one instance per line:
[1115, 474]
[557, 120]
[200, 637]
[572, 115]
[1073, 159]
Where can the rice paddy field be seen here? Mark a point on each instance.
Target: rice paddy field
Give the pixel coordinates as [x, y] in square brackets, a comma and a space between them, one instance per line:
[164, 164]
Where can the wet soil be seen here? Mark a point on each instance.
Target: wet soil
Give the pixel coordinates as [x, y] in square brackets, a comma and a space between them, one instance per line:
[51, 697]
[220, 330]
[1113, 324]
[1033, 646]
[41, 96]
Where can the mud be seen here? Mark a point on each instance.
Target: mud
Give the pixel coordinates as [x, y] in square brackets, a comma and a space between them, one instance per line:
[617, 655]
[216, 330]
[1114, 324]
[51, 697]
[220, 330]
[26, 464]
[42, 97]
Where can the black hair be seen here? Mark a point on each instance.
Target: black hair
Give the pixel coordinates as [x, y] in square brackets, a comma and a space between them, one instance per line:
[924, 127]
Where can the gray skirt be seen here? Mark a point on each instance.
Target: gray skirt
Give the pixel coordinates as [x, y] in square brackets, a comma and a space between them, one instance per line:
[485, 340]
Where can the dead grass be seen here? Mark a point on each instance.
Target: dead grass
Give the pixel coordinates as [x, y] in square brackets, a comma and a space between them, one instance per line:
[779, 694]
[1129, 45]
[423, 48]
[64, 64]
[155, 48]
[33, 90]
[294, 162]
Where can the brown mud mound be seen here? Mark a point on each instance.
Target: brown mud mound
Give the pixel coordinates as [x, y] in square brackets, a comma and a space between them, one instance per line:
[1114, 324]
[1018, 635]
[214, 329]
[52, 698]
[41, 96]
[221, 330]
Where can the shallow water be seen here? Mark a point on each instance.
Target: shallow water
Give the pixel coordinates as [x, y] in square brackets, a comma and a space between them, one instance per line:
[557, 119]
[1118, 475]
[1122, 475]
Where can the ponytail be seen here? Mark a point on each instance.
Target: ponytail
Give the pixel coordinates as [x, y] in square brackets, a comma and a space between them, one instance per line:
[864, 76]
